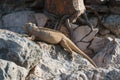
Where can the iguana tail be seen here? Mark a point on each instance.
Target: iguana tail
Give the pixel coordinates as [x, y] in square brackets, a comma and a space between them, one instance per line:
[76, 49]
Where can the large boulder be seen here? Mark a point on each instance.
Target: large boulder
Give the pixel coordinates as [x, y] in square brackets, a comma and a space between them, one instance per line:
[56, 63]
[18, 49]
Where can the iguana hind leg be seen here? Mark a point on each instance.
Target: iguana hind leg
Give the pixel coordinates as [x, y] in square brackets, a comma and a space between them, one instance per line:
[64, 44]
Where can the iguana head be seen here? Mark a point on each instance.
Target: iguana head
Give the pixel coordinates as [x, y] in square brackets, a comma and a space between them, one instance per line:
[29, 27]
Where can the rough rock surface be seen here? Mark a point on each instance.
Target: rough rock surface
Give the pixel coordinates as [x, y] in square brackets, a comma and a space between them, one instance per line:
[112, 22]
[18, 54]
[115, 10]
[10, 71]
[15, 21]
[103, 74]
[56, 64]
[18, 49]
[109, 55]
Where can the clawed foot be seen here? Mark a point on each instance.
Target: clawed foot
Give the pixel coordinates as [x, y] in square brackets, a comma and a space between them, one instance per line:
[31, 38]
[72, 57]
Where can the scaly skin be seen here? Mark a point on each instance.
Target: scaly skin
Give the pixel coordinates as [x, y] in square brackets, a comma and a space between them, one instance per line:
[54, 37]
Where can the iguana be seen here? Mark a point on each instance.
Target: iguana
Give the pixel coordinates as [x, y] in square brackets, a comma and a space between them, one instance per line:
[54, 37]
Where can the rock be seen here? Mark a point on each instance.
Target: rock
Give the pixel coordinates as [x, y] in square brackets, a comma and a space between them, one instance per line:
[41, 19]
[115, 10]
[93, 21]
[99, 43]
[85, 74]
[18, 49]
[11, 71]
[109, 55]
[89, 52]
[1, 26]
[16, 20]
[110, 35]
[103, 74]
[33, 77]
[82, 45]
[91, 35]
[112, 22]
[55, 63]
[65, 31]
[78, 75]
[80, 32]
[37, 4]
[104, 32]
[73, 9]
[95, 2]
[0, 21]
[6, 6]
[101, 8]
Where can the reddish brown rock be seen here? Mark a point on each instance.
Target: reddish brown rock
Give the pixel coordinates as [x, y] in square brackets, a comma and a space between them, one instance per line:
[72, 8]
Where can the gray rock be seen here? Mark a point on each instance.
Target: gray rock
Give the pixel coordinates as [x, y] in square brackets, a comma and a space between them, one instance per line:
[93, 21]
[101, 8]
[112, 22]
[99, 43]
[16, 20]
[6, 6]
[103, 74]
[18, 49]
[109, 55]
[10, 71]
[91, 35]
[80, 33]
[83, 46]
[55, 63]
[1, 26]
[41, 19]
[115, 10]
[104, 32]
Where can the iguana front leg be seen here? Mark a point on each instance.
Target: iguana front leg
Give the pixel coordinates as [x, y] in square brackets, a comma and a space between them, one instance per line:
[32, 37]
[64, 44]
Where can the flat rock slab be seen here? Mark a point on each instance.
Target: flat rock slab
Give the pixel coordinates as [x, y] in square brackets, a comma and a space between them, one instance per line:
[83, 46]
[80, 33]
[99, 43]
